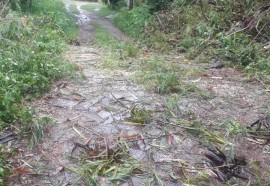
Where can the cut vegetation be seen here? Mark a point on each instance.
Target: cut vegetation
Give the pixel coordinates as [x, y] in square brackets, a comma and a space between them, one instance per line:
[181, 99]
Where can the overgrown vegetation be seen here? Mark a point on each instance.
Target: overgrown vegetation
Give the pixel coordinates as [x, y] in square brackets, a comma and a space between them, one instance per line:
[132, 22]
[232, 31]
[33, 37]
[163, 76]
[30, 55]
[121, 49]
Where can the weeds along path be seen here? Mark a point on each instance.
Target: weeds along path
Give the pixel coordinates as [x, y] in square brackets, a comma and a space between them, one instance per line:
[109, 129]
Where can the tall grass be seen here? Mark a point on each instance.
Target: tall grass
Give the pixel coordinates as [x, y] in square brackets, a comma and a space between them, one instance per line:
[132, 22]
[30, 55]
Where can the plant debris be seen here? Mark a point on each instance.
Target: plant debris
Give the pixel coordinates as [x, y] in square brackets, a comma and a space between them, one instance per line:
[223, 168]
[260, 130]
[140, 115]
[107, 157]
[7, 137]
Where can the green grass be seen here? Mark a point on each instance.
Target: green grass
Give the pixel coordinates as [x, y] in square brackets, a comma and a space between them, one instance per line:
[132, 22]
[157, 73]
[105, 39]
[31, 57]
[105, 11]
[163, 76]
[119, 52]
[4, 166]
[184, 25]
[73, 9]
[31, 50]
[92, 6]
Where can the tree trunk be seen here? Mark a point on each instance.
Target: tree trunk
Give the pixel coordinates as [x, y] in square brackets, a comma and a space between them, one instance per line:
[130, 4]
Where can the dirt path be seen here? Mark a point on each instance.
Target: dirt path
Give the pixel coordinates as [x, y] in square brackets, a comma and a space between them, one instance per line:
[87, 21]
[98, 104]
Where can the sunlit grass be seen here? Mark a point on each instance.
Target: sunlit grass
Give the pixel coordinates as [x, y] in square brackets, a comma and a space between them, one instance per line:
[92, 6]
[105, 11]
[73, 9]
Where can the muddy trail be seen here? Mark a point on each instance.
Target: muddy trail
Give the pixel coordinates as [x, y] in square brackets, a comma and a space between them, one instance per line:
[111, 131]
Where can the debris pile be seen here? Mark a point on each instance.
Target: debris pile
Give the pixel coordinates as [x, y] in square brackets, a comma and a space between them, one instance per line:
[107, 157]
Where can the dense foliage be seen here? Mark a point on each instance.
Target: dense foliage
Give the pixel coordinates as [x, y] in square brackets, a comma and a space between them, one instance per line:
[234, 31]
[32, 40]
[132, 22]
[30, 55]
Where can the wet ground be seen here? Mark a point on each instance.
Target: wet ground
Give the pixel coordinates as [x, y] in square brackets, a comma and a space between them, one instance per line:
[98, 104]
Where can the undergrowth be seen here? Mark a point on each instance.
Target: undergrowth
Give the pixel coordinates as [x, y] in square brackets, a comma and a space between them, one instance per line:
[132, 22]
[163, 76]
[231, 31]
[33, 37]
[30, 55]
[212, 31]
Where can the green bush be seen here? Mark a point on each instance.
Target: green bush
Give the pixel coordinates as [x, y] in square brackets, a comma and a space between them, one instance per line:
[30, 56]
[205, 31]
[132, 22]
[51, 10]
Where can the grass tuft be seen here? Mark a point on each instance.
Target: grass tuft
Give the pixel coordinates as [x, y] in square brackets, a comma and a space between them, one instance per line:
[119, 52]
[163, 76]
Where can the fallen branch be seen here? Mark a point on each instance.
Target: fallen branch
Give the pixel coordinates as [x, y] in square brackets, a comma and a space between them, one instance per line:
[117, 100]
[96, 133]
[252, 22]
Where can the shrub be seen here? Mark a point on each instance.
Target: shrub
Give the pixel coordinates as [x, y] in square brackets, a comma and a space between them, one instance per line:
[205, 31]
[30, 57]
[132, 22]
